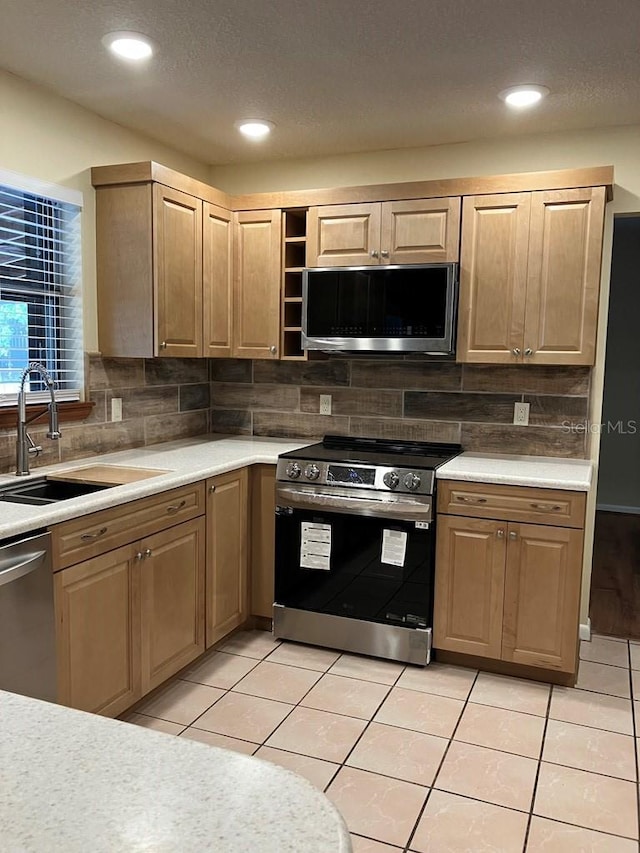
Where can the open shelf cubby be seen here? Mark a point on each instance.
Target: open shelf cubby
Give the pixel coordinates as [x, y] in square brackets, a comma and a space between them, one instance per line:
[294, 255]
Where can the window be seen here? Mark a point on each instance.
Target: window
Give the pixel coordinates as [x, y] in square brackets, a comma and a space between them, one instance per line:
[40, 290]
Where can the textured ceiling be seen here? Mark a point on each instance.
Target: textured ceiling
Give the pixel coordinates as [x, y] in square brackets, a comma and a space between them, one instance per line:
[336, 76]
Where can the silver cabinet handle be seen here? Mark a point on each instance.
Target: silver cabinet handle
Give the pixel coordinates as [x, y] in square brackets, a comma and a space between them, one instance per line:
[500, 533]
[139, 556]
[468, 500]
[528, 351]
[374, 253]
[516, 350]
[147, 553]
[25, 567]
[384, 253]
[173, 508]
[163, 344]
[212, 489]
[273, 349]
[88, 537]
[513, 535]
[546, 507]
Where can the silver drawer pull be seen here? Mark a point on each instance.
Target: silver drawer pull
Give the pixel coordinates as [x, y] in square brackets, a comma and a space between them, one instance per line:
[176, 507]
[467, 500]
[547, 507]
[88, 537]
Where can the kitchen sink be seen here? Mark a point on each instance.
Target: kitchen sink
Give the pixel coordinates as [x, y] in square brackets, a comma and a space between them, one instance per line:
[43, 491]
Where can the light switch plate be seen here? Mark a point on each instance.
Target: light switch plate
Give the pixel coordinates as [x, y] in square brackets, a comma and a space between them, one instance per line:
[521, 414]
[325, 404]
[116, 408]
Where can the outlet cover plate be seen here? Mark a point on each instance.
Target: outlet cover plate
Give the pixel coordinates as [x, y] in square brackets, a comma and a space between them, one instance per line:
[116, 408]
[521, 414]
[325, 404]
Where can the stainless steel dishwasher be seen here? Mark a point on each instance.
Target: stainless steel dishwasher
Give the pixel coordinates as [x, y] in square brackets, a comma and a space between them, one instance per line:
[27, 620]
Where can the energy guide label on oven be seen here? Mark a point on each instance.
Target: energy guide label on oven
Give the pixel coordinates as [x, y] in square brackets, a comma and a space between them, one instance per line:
[394, 547]
[315, 546]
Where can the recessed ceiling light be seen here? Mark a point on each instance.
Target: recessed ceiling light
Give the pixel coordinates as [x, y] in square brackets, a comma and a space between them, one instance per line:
[255, 128]
[523, 96]
[128, 45]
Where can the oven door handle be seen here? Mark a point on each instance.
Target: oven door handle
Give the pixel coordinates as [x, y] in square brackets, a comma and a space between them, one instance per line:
[406, 509]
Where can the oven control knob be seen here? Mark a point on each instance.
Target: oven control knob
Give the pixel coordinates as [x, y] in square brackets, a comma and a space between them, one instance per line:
[293, 470]
[391, 479]
[312, 472]
[412, 481]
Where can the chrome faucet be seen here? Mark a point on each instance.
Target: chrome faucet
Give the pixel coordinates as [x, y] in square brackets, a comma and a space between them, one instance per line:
[25, 444]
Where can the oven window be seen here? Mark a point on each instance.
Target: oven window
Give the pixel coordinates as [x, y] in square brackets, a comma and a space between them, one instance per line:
[408, 303]
[365, 568]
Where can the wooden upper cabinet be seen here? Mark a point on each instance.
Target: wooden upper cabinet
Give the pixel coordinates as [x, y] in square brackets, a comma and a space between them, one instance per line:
[257, 263]
[493, 277]
[391, 232]
[469, 586]
[217, 280]
[530, 277]
[177, 248]
[563, 281]
[542, 596]
[418, 232]
[343, 235]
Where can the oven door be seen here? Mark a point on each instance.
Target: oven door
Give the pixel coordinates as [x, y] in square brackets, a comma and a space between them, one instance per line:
[353, 556]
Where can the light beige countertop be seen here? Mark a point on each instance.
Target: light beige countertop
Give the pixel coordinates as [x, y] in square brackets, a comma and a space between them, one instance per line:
[72, 782]
[545, 472]
[186, 461]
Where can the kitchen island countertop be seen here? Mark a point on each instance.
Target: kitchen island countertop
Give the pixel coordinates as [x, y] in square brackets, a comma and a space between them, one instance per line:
[72, 782]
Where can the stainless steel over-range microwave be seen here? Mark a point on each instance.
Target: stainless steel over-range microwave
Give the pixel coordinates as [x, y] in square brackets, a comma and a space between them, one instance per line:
[399, 308]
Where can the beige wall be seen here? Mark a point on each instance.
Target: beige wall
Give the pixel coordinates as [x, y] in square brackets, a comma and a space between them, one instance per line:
[47, 137]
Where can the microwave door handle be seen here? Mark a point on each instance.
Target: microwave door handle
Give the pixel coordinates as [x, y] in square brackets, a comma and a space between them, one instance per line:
[404, 510]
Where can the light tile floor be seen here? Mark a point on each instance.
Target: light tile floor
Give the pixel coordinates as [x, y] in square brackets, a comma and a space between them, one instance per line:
[434, 760]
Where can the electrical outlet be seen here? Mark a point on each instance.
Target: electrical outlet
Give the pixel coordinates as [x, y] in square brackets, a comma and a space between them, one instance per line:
[325, 404]
[521, 414]
[116, 408]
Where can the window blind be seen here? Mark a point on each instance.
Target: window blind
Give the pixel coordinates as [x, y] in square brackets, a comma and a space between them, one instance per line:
[40, 294]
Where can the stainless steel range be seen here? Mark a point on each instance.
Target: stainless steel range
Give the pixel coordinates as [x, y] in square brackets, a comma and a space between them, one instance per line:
[355, 545]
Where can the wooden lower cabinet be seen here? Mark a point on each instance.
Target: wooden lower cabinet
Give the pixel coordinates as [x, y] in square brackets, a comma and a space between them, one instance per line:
[508, 591]
[469, 586]
[172, 600]
[227, 554]
[98, 633]
[263, 537]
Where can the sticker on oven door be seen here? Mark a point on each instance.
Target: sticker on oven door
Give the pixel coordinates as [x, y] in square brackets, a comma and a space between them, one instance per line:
[315, 546]
[394, 547]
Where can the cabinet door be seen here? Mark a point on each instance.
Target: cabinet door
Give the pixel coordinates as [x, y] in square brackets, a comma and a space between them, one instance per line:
[469, 586]
[257, 284]
[343, 235]
[542, 596]
[172, 595]
[98, 633]
[565, 248]
[493, 278]
[263, 539]
[217, 281]
[422, 231]
[177, 249]
[227, 559]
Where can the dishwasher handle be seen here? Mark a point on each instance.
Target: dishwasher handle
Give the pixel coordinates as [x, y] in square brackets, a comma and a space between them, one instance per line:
[31, 563]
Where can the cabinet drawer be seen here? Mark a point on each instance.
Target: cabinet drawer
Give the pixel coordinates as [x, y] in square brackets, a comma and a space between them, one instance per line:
[512, 503]
[86, 537]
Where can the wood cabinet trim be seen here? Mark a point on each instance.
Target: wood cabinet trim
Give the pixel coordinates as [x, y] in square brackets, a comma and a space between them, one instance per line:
[148, 170]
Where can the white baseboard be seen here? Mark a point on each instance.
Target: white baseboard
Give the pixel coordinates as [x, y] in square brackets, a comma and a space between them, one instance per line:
[633, 510]
[585, 630]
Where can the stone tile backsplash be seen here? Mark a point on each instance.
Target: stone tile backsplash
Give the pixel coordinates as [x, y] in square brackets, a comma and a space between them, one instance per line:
[403, 397]
[162, 399]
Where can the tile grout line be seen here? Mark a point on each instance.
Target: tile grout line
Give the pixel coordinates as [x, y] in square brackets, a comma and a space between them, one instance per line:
[439, 768]
[538, 768]
[634, 724]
